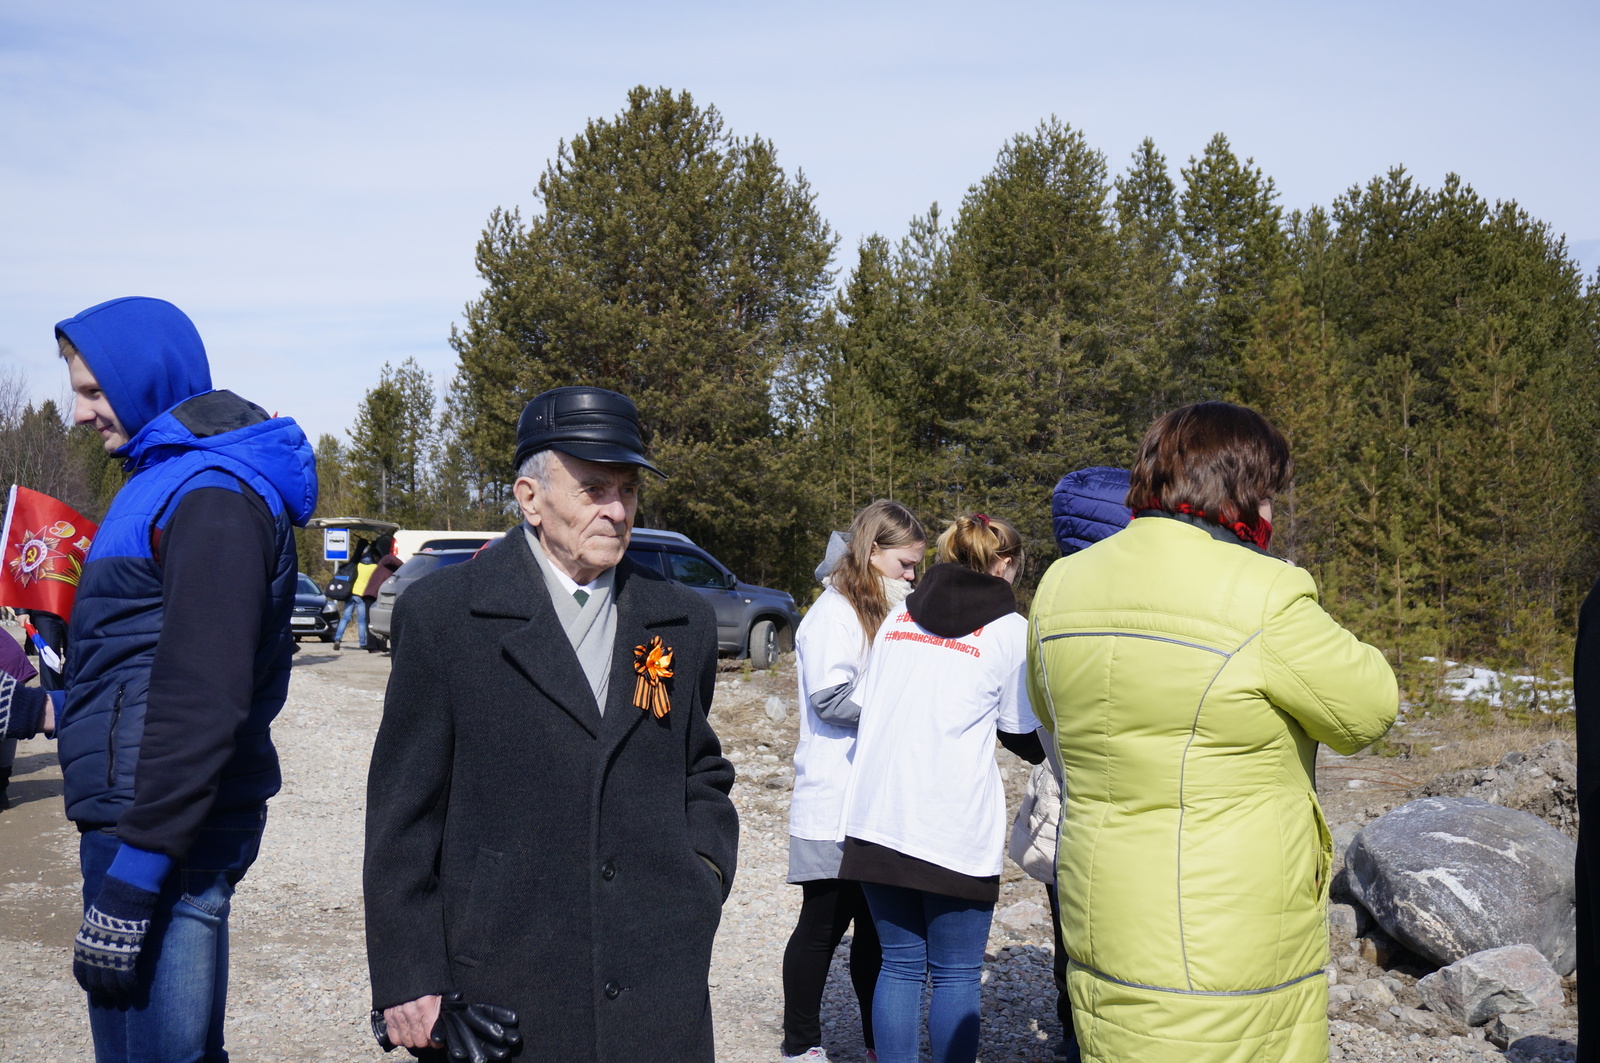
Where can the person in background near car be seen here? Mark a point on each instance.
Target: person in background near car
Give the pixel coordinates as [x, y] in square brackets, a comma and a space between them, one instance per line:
[359, 573]
[924, 810]
[873, 576]
[1187, 676]
[388, 563]
[171, 687]
[548, 821]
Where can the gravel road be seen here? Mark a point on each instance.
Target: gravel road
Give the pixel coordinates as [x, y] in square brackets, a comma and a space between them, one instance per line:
[299, 980]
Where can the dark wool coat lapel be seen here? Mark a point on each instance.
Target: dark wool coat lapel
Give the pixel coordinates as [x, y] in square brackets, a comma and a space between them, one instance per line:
[645, 609]
[510, 585]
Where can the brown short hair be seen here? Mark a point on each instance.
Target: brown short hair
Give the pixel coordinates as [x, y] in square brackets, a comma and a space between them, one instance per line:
[1213, 458]
[977, 542]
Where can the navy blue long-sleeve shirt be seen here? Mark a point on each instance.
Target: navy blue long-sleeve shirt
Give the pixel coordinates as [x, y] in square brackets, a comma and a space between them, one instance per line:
[217, 556]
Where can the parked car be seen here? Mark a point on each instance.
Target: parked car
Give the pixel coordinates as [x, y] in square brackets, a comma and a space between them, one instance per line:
[752, 621]
[314, 615]
[424, 561]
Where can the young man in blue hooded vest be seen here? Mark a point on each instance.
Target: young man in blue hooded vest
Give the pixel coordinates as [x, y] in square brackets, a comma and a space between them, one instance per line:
[178, 656]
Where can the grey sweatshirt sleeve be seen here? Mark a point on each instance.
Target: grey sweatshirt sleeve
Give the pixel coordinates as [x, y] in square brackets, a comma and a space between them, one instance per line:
[834, 705]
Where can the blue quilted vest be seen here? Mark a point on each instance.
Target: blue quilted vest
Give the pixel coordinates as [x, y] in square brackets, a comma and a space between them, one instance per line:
[212, 440]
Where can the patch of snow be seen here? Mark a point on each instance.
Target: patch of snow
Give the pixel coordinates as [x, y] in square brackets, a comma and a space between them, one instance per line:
[1466, 682]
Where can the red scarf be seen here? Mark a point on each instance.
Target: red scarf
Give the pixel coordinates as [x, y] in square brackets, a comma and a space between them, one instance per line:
[1259, 534]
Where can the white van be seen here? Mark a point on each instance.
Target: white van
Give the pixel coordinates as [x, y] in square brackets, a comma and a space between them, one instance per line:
[408, 541]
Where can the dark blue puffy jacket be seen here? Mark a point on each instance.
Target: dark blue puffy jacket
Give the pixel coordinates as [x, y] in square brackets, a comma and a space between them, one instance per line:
[149, 353]
[1088, 505]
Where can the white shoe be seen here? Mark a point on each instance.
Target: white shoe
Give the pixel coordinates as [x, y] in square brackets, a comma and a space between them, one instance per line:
[814, 1054]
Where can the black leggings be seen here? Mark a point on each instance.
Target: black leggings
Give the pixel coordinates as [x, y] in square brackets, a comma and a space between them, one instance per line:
[829, 907]
[1063, 1002]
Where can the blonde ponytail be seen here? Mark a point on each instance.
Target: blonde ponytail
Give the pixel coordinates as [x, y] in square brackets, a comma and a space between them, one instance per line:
[979, 542]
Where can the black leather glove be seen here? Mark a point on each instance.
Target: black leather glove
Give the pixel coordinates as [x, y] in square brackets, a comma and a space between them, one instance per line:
[106, 950]
[475, 1033]
[470, 1033]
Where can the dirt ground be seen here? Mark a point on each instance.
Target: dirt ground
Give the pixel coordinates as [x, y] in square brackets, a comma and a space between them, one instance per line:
[299, 983]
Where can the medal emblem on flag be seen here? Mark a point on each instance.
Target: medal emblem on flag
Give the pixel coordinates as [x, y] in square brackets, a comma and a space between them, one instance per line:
[44, 542]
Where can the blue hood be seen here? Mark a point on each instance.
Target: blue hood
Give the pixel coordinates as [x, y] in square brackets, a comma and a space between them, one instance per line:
[221, 423]
[145, 353]
[1089, 505]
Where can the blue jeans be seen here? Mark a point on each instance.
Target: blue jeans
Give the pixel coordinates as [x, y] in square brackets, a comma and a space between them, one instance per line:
[921, 934]
[177, 1015]
[357, 605]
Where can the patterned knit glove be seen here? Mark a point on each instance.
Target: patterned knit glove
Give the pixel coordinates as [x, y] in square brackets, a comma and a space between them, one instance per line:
[106, 950]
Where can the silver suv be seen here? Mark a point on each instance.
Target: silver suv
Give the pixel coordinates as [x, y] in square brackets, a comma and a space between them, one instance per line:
[752, 621]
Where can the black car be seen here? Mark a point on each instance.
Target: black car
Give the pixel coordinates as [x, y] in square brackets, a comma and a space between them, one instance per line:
[753, 622]
[314, 615]
[430, 559]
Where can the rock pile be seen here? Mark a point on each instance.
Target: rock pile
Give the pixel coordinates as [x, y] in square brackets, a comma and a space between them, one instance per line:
[1542, 781]
[1494, 982]
[1460, 921]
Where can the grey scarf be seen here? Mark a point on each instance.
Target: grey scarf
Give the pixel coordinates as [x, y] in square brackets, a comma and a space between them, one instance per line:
[591, 628]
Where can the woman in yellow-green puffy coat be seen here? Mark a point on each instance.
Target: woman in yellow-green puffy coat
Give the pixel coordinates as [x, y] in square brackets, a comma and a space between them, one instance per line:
[1188, 675]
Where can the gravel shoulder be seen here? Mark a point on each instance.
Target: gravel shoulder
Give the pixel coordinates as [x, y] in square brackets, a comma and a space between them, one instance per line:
[299, 980]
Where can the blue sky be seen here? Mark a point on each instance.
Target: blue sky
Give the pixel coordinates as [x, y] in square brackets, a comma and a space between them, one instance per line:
[308, 180]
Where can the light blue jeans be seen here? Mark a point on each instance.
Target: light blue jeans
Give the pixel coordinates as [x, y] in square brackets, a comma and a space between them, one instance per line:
[925, 934]
[357, 605]
[177, 1016]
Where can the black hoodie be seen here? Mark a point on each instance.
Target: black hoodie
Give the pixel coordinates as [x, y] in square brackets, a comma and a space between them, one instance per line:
[952, 600]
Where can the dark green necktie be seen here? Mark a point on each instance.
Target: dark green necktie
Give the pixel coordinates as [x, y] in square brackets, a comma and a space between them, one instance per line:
[582, 596]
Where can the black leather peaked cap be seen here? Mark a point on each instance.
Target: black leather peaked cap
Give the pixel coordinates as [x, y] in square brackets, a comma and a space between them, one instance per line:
[589, 423]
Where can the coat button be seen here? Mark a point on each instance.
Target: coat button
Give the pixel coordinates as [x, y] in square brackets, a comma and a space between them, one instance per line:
[608, 871]
[613, 989]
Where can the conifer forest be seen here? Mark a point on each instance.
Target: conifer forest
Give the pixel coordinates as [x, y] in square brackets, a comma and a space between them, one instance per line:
[1433, 358]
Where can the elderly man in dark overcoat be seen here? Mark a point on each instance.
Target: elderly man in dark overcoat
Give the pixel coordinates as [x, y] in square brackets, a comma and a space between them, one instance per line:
[548, 820]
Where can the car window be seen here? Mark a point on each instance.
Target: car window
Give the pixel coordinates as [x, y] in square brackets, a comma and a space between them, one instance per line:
[308, 585]
[694, 571]
[417, 566]
[650, 559]
[455, 558]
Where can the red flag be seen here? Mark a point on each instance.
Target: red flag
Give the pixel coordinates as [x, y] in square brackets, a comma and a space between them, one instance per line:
[43, 542]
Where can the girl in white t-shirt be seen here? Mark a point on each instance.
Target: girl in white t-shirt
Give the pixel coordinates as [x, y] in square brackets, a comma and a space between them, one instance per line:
[873, 576]
[924, 817]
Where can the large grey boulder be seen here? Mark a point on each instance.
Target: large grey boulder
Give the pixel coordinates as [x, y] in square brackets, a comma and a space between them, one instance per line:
[1476, 988]
[1450, 876]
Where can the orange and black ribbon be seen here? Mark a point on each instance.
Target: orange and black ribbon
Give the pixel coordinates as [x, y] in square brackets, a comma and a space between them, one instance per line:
[654, 664]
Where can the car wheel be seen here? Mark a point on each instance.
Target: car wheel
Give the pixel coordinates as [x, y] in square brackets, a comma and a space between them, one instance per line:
[763, 644]
[326, 636]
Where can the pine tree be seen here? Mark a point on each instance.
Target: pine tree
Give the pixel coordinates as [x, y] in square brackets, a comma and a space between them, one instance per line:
[391, 445]
[680, 265]
[1233, 246]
